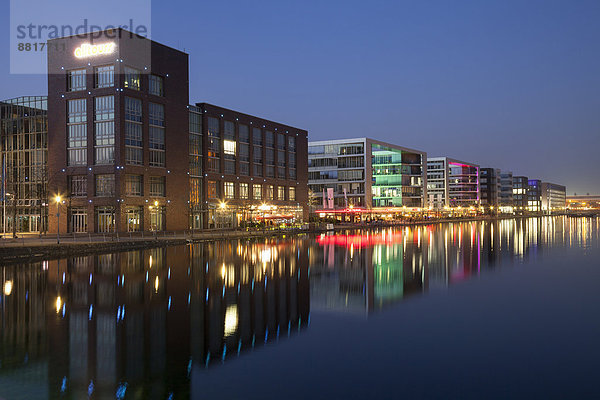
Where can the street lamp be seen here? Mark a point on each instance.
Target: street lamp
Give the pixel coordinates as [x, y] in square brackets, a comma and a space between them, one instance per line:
[57, 199]
[222, 207]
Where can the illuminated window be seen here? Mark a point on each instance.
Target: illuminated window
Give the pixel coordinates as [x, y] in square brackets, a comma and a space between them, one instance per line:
[229, 190]
[292, 193]
[213, 190]
[229, 147]
[132, 78]
[257, 192]
[243, 191]
[270, 192]
[134, 217]
[280, 192]
[105, 219]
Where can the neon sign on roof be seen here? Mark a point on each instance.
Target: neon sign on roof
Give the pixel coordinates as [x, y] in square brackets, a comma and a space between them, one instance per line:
[90, 50]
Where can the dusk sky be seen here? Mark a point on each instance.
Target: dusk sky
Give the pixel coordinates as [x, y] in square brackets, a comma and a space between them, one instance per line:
[507, 84]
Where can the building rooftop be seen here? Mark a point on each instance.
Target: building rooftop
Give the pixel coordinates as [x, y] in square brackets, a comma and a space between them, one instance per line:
[452, 161]
[364, 140]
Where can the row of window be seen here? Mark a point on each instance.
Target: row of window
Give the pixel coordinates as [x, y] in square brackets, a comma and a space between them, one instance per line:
[271, 139]
[104, 132]
[229, 152]
[106, 220]
[104, 76]
[337, 149]
[342, 175]
[105, 185]
[247, 191]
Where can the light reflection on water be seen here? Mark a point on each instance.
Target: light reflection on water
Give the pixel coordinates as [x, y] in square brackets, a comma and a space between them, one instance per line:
[361, 272]
[136, 324]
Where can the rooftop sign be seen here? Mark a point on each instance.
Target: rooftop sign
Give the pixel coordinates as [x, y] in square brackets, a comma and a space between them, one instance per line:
[90, 50]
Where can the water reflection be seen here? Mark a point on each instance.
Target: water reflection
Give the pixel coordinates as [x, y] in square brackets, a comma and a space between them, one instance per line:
[363, 271]
[137, 324]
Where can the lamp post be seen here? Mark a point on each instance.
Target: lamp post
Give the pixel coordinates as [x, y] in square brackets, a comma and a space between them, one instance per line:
[57, 199]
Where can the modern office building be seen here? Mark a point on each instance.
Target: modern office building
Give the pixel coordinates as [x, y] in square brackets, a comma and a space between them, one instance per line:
[23, 161]
[122, 127]
[554, 198]
[119, 122]
[363, 174]
[505, 199]
[520, 189]
[255, 170]
[452, 183]
[534, 195]
[490, 188]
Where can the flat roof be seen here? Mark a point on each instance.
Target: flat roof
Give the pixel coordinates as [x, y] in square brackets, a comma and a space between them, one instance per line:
[364, 140]
[86, 34]
[453, 161]
[201, 105]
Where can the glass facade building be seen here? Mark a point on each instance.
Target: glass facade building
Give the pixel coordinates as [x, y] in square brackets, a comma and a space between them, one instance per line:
[505, 197]
[520, 194]
[490, 187]
[554, 197]
[534, 195]
[364, 173]
[23, 164]
[452, 183]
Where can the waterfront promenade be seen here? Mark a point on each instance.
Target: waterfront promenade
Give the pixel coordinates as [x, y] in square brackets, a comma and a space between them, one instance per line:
[31, 247]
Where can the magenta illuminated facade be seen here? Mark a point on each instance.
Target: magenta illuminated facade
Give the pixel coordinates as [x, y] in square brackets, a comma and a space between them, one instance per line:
[452, 183]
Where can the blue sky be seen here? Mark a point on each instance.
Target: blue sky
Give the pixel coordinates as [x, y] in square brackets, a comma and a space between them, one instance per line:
[507, 84]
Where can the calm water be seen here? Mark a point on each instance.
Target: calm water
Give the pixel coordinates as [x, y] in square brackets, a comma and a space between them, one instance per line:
[506, 309]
